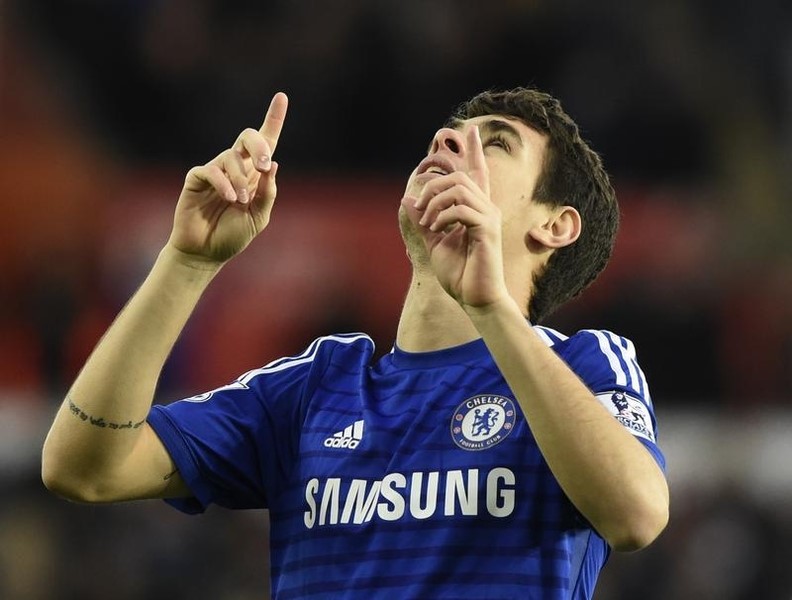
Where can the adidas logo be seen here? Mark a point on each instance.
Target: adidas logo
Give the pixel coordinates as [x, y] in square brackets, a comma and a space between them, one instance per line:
[349, 437]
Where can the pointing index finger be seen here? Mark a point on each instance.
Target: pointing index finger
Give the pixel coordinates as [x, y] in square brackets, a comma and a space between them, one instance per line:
[477, 163]
[273, 121]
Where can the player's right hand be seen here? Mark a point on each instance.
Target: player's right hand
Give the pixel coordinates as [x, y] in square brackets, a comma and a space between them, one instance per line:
[225, 203]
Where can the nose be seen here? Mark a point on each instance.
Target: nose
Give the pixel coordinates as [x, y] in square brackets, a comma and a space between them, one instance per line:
[448, 139]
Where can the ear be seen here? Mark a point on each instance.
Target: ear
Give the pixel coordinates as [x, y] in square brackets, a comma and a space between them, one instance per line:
[562, 228]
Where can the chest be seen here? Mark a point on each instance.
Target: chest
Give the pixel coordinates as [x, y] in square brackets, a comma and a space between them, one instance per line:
[437, 446]
[415, 422]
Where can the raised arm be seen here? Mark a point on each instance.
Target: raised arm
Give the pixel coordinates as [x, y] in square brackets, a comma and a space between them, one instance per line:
[100, 448]
[606, 473]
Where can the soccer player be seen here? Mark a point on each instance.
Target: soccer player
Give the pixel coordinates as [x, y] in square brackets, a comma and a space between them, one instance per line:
[484, 456]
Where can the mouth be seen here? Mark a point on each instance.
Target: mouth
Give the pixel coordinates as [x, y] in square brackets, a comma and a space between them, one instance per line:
[435, 164]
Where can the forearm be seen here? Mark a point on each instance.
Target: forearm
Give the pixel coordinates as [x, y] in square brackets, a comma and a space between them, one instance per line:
[603, 469]
[102, 418]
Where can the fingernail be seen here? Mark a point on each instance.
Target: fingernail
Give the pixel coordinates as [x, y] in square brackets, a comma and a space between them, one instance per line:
[243, 196]
[265, 162]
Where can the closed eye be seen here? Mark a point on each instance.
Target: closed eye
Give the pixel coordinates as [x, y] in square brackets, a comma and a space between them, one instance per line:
[499, 142]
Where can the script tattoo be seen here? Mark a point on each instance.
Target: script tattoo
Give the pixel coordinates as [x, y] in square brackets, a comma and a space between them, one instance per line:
[99, 421]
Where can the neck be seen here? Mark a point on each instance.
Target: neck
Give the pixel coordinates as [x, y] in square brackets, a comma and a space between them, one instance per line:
[431, 319]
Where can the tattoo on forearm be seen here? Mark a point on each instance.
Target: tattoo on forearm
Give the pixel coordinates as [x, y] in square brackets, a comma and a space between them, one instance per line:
[99, 421]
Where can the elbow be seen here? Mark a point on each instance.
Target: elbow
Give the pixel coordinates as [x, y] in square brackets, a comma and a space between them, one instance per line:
[640, 529]
[71, 489]
[60, 484]
[60, 487]
[68, 484]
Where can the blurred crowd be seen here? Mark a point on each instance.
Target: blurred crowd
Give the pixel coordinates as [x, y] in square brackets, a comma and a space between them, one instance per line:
[105, 104]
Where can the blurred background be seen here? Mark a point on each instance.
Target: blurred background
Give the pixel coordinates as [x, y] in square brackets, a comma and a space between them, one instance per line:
[105, 104]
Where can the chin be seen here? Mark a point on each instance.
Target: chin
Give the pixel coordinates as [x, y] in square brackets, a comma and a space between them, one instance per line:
[413, 187]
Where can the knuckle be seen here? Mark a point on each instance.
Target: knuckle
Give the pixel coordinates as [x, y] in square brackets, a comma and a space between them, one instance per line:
[224, 157]
[245, 136]
[244, 141]
[193, 173]
[200, 171]
[212, 169]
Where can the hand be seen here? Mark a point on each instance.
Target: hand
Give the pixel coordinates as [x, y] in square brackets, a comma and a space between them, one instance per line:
[225, 203]
[461, 228]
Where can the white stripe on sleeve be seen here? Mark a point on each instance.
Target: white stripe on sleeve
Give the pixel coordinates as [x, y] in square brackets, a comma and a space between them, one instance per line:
[624, 351]
[613, 360]
[310, 353]
[280, 364]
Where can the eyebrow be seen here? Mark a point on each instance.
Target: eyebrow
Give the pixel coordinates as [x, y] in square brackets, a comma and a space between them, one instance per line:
[488, 127]
[500, 126]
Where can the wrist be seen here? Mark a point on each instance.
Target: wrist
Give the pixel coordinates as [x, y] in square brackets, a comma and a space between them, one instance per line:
[193, 262]
[182, 273]
[504, 307]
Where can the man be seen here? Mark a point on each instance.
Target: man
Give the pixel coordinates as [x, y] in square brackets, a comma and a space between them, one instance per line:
[483, 457]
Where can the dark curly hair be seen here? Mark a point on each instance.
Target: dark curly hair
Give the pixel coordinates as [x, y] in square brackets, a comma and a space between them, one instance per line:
[572, 175]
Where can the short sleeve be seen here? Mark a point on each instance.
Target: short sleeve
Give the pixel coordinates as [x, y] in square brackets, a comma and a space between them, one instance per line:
[608, 364]
[234, 446]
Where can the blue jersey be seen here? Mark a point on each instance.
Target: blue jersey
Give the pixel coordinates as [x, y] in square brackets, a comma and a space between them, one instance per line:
[414, 476]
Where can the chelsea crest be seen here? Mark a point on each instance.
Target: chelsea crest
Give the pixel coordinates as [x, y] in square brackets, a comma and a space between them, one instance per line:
[482, 421]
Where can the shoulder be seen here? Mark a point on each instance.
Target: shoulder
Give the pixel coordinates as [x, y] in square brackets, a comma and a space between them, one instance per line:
[604, 360]
[290, 377]
[343, 348]
[351, 345]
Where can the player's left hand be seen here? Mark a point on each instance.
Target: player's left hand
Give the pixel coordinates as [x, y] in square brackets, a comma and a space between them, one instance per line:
[461, 228]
